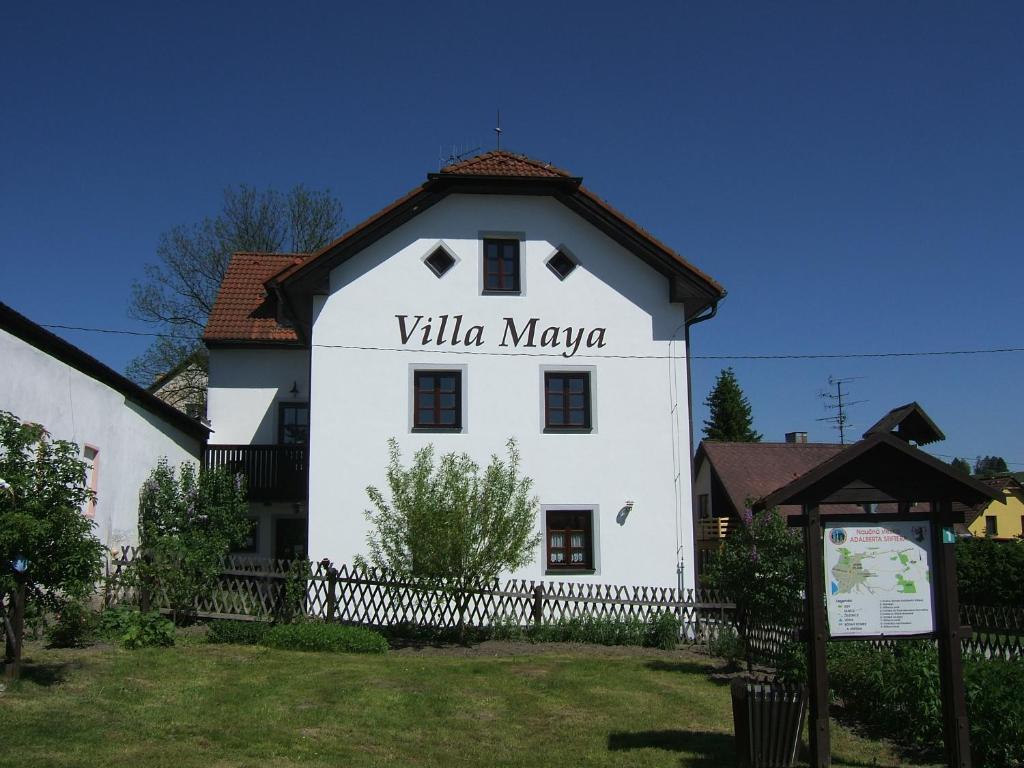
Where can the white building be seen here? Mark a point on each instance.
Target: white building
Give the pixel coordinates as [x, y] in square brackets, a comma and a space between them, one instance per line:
[499, 299]
[120, 428]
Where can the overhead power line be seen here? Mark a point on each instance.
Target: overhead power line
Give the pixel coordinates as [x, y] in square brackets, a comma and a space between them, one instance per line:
[420, 350]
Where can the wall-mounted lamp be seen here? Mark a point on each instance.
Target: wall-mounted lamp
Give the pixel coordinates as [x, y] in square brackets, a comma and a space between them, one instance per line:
[295, 389]
[624, 513]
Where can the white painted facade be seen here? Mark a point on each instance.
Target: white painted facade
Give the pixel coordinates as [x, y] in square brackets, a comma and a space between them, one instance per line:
[377, 315]
[120, 439]
[246, 386]
[360, 398]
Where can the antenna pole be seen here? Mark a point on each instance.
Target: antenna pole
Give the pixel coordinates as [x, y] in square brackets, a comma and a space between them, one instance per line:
[839, 405]
[497, 129]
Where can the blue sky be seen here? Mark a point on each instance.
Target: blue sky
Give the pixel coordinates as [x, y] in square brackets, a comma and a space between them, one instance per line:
[853, 173]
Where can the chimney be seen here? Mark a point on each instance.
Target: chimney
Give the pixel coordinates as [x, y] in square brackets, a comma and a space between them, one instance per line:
[796, 437]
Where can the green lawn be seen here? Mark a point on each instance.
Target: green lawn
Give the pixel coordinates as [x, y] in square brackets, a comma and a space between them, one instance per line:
[220, 706]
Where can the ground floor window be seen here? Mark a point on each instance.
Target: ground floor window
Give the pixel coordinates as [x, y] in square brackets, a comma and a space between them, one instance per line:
[991, 526]
[570, 539]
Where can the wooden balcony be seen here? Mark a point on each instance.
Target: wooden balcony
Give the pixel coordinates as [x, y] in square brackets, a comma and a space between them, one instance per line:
[712, 528]
[272, 472]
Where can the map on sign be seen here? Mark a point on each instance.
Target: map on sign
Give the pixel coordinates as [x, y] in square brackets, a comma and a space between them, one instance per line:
[878, 578]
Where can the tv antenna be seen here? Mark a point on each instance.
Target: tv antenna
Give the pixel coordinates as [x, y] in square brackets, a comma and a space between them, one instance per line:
[837, 402]
[457, 154]
[497, 129]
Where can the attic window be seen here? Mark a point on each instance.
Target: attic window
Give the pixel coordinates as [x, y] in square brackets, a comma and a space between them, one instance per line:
[440, 261]
[561, 265]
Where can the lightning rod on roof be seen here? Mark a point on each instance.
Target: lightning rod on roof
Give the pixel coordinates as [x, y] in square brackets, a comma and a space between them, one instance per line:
[497, 129]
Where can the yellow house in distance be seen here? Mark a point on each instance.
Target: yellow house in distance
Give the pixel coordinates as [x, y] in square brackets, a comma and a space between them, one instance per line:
[1001, 519]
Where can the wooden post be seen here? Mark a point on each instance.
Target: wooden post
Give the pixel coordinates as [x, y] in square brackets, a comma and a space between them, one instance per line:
[818, 729]
[538, 604]
[332, 585]
[17, 629]
[947, 627]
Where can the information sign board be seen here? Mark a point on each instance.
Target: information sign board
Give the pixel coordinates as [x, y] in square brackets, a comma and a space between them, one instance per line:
[878, 578]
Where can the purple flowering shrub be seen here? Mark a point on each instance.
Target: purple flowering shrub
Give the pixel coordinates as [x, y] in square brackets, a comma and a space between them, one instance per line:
[760, 567]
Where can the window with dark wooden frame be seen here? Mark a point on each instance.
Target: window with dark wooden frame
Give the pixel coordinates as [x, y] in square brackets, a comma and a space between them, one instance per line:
[501, 266]
[293, 424]
[991, 525]
[569, 535]
[437, 400]
[567, 401]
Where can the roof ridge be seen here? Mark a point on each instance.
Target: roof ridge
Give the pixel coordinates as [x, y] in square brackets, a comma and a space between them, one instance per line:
[503, 156]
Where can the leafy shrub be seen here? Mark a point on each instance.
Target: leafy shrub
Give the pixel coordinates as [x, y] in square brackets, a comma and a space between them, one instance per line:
[134, 629]
[318, 636]
[238, 632]
[892, 690]
[996, 711]
[296, 591]
[73, 626]
[188, 522]
[727, 644]
[760, 565]
[990, 572]
[663, 632]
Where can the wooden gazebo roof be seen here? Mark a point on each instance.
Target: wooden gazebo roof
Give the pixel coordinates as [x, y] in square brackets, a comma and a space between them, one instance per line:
[881, 468]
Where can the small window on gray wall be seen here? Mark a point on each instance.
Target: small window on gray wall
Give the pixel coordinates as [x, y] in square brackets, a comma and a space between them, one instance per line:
[440, 261]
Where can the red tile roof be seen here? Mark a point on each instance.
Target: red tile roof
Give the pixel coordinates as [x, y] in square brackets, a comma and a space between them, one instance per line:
[753, 470]
[500, 163]
[243, 312]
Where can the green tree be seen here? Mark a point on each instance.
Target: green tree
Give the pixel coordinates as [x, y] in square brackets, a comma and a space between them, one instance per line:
[178, 291]
[450, 526]
[42, 493]
[990, 465]
[961, 464]
[730, 417]
[760, 567]
[188, 522]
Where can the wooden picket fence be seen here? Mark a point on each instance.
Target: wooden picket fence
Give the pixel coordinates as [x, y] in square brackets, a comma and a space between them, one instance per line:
[252, 588]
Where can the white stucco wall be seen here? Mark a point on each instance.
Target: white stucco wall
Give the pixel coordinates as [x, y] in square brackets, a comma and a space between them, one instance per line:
[246, 386]
[129, 439]
[639, 449]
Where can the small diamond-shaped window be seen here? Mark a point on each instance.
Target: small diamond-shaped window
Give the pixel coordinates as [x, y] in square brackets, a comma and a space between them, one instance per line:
[440, 261]
[561, 265]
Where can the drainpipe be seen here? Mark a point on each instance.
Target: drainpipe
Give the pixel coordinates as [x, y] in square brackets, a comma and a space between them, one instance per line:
[700, 318]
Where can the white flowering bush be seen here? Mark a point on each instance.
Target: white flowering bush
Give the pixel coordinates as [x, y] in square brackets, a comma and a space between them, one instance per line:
[188, 521]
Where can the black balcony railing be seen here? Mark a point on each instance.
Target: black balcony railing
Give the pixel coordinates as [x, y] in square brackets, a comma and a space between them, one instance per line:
[272, 472]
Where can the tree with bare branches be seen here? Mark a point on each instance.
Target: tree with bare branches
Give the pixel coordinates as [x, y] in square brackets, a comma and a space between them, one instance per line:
[178, 291]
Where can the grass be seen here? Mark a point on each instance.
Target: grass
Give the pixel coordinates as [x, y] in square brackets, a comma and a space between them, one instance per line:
[221, 706]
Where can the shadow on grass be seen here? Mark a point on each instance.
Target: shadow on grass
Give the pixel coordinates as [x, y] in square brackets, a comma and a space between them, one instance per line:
[712, 672]
[706, 749]
[46, 675]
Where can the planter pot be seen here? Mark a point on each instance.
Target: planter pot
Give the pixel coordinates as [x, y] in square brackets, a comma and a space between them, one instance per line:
[768, 718]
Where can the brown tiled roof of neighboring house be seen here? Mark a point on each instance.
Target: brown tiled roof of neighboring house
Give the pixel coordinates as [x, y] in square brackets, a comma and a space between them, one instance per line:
[750, 471]
[499, 163]
[243, 311]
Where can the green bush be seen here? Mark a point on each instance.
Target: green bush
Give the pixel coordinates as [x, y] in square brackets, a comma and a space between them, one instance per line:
[995, 708]
[318, 636]
[73, 626]
[237, 632]
[895, 692]
[990, 572]
[663, 632]
[727, 644]
[660, 632]
[134, 629]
